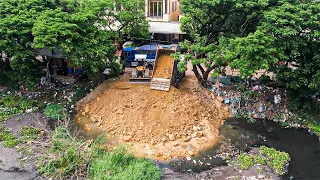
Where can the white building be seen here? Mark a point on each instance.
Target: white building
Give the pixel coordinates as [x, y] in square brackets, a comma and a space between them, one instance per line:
[164, 19]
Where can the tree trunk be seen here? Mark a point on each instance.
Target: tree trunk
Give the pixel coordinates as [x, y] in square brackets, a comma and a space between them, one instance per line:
[203, 76]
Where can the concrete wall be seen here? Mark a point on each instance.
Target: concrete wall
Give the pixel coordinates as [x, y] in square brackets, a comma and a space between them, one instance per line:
[174, 15]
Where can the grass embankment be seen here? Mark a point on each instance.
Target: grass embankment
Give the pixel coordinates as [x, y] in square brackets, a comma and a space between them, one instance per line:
[270, 157]
[69, 157]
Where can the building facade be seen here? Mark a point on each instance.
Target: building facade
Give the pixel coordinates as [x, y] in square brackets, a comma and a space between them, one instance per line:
[164, 19]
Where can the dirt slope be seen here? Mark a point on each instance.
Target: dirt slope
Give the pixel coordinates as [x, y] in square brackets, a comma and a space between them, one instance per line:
[157, 124]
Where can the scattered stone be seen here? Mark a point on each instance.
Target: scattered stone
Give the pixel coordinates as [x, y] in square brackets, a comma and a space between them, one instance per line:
[153, 142]
[226, 109]
[199, 134]
[171, 137]
[127, 138]
[191, 153]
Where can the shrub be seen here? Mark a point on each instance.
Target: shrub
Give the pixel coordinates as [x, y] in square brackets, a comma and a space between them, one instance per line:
[54, 111]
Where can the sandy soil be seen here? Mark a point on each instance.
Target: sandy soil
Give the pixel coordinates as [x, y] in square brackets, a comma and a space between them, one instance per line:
[156, 124]
[164, 67]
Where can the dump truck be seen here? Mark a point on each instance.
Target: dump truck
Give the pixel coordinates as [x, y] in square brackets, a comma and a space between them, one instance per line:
[166, 69]
[160, 73]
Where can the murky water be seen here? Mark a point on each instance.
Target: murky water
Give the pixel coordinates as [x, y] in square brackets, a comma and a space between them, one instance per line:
[303, 148]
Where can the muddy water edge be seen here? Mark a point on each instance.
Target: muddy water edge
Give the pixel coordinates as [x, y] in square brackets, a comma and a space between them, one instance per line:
[304, 149]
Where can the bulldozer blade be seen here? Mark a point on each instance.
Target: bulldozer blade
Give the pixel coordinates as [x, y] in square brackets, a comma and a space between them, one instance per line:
[139, 80]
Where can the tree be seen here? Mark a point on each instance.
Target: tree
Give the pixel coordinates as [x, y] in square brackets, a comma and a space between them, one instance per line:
[209, 22]
[288, 33]
[253, 35]
[125, 17]
[232, 32]
[74, 27]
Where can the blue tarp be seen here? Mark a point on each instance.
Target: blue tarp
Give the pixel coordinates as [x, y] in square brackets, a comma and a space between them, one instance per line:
[148, 47]
[129, 49]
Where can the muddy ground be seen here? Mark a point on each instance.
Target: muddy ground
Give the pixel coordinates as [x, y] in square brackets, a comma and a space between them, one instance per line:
[14, 165]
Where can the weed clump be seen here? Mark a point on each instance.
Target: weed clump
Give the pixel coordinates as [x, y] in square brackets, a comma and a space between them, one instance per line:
[69, 157]
[118, 165]
[54, 111]
[274, 159]
[13, 105]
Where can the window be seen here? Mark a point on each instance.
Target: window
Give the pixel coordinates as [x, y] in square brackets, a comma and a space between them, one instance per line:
[166, 6]
[174, 6]
[155, 9]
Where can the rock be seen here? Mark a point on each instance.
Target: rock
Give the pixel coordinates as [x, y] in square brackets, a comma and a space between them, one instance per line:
[188, 158]
[199, 134]
[175, 144]
[186, 139]
[171, 137]
[191, 153]
[195, 128]
[95, 118]
[220, 99]
[164, 140]
[153, 142]
[127, 138]
[226, 109]
[119, 111]
[97, 98]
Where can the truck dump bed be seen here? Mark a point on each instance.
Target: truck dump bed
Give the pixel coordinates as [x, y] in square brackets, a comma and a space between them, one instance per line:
[163, 69]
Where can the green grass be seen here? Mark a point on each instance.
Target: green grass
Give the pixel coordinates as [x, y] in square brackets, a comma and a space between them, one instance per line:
[54, 111]
[69, 157]
[276, 160]
[117, 165]
[10, 140]
[12, 105]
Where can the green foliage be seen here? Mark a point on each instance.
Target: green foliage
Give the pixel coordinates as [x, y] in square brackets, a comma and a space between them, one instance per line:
[252, 34]
[245, 161]
[13, 105]
[82, 30]
[315, 127]
[29, 133]
[115, 69]
[68, 157]
[54, 111]
[118, 165]
[64, 158]
[277, 160]
[9, 139]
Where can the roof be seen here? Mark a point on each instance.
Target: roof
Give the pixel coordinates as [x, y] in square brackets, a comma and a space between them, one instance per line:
[148, 47]
[165, 27]
[129, 49]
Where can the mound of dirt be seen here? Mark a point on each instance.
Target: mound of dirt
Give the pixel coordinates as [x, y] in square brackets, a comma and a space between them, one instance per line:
[157, 124]
[164, 67]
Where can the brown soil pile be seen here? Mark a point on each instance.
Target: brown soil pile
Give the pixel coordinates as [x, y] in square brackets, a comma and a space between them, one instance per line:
[164, 67]
[157, 124]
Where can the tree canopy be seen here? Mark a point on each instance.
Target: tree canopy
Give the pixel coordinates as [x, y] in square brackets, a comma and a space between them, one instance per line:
[77, 28]
[253, 35]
